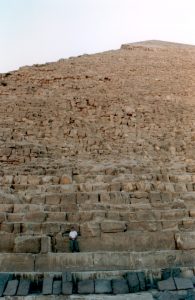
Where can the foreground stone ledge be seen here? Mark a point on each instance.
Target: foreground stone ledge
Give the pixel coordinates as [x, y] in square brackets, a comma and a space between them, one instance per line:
[113, 260]
[58, 262]
[21, 262]
[138, 296]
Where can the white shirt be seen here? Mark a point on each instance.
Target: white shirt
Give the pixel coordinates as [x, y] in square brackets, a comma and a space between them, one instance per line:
[73, 234]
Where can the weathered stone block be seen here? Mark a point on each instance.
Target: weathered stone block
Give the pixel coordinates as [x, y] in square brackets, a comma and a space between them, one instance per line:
[86, 287]
[4, 277]
[23, 288]
[113, 226]
[183, 283]
[133, 282]
[57, 287]
[166, 285]
[45, 244]
[103, 286]
[47, 286]
[27, 244]
[185, 241]
[67, 287]
[120, 286]
[142, 281]
[7, 242]
[11, 288]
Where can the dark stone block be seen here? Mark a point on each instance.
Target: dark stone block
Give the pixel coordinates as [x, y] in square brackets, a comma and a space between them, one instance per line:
[168, 296]
[24, 287]
[57, 287]
[183, 283]
[86, 287]
[47, 286]
[142, 280]
[66, 276]
[4, 277]
[11, 288]
[133, 282]
[190, 295]
[166, 273]
[167, 285]
[67, 288]
[103, 286]
[120, 286]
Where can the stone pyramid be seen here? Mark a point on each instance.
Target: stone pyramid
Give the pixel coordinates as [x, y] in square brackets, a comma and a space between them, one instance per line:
[104, 142]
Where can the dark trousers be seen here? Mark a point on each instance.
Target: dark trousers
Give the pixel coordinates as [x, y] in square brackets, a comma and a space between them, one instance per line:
[74, 246]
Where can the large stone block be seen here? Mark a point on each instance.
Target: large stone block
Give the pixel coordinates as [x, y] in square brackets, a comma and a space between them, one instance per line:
[57, 287]
[86, 287]
[7, 242]
[24, 287]
[13, 262]
[103, 286]
[27, 244]
[167, 285]
[185, 241]
[120, 286]
[11, 288]
[4, 277]
[47, 287]
[133, 282]
[113, 226]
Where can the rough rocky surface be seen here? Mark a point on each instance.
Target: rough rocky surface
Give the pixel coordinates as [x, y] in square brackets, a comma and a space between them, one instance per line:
[103, 142]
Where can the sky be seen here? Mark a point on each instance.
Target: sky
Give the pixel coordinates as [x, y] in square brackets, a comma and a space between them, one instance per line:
[39, 31]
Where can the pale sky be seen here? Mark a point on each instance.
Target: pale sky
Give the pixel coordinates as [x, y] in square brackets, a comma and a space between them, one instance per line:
[39, 31]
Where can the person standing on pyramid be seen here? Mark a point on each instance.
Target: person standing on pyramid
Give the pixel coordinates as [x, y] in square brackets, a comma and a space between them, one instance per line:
[74, 246]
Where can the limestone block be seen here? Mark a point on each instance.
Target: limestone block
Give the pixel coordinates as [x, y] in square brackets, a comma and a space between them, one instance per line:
[86, 287]
[11, 217]
[61, 244]
[2, 217]
[120, 286]
[4, 277]
[73, 218]
[33, 179]
[174, 214]
[37, 216]
[133, 282]
[27, 244]
[10, 262]
[52, 199]
[67, 287]
[6, 208]
[8, 179]
[45, 244]
[103, 286]
[47, 286]
[86, 216]
[183, 283]
[38, 199]
[24, 287]
[11, 288]
[50, 228]
[113, 226]
[57, 287]
[56, 217]
[185, 241]
[7, 227]
[20, 179]
[167, 285]
[50, 262]
[7, 242]
[90, 229]
[28, 228]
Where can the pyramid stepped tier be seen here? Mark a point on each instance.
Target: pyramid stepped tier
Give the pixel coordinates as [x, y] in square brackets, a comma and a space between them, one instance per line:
[105, 143]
